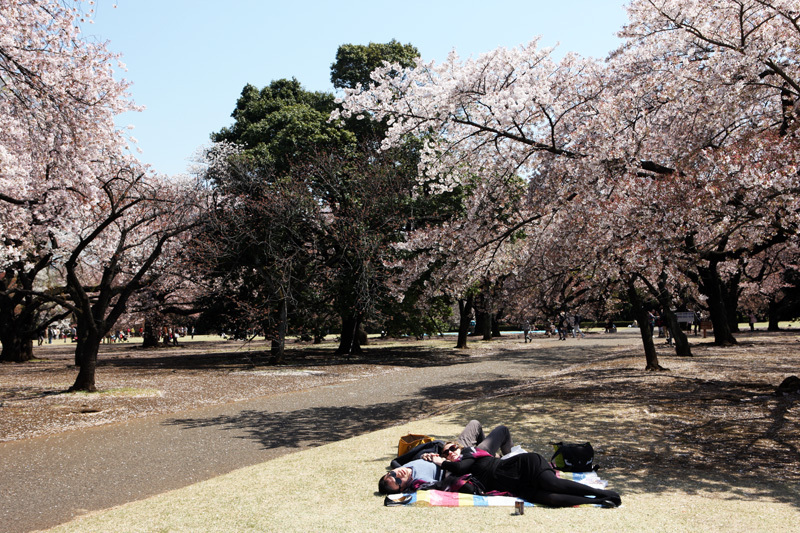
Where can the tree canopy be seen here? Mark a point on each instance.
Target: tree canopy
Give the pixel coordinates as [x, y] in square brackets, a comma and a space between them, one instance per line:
[354, 63]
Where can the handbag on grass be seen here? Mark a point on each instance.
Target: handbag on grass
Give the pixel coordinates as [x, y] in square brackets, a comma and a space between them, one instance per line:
[407, 442]
[573, 457]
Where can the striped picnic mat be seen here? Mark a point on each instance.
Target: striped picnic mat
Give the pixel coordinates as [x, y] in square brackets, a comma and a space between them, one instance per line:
[438, 498]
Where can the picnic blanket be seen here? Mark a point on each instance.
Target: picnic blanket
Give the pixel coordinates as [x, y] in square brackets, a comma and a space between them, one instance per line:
[439, 498]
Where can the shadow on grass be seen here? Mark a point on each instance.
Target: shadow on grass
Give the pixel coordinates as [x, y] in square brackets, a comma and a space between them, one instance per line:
[662, 432]
[323, 425]
[640, 454]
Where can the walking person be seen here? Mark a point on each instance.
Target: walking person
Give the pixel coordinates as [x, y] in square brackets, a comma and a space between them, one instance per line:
[562, 326]
[576, 328]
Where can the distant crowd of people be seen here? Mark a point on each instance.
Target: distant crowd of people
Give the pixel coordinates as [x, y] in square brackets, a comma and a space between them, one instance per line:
[569, 324]
[51, 334]
[166, 334]
[563, 326]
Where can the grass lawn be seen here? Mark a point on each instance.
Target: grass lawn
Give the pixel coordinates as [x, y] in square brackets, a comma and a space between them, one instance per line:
[332, 488]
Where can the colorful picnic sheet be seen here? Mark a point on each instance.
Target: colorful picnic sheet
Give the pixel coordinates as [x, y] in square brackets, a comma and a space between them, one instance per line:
[438, 498]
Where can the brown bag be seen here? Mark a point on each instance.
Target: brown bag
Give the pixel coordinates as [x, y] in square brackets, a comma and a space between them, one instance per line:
[407, 442]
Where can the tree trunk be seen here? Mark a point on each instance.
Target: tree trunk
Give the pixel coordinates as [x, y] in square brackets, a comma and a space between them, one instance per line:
[774, 316]
[349, 343]
[495, 325]
[278, 347]
[465, 314]
[711, 287]
[481, 321]
[644, 329]
[486, 326]
[149, 335]
[730, 297]
[15, 348]
[81, 331]
[19, 314]
[86, 350]
[682, 348]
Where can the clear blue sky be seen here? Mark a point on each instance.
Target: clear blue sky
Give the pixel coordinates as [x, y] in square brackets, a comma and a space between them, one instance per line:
[189, 59]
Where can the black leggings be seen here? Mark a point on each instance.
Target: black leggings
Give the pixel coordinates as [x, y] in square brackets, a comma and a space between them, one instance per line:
[554, 491]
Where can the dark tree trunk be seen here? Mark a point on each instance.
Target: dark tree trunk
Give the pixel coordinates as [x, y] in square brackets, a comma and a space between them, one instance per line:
[642, 319]
[81, 331]
[19, 313]
[149, 335]
[86, 350]
[774, 311]
[349, 342]
[773, 324]
[711, 287]
[465, 313]
[730, 297]
[481, 322]
[27, 349]
[682, 347]
[278, 347]
[496, 325]
[15, 348]
[486, 326]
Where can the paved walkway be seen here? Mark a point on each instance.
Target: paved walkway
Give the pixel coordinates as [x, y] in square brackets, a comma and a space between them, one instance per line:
[49, 480]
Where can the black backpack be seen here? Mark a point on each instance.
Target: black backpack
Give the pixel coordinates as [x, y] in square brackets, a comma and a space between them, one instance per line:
[573, 457]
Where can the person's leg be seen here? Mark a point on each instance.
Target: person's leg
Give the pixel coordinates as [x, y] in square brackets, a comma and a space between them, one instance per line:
[550, 485]
[556, 499]
[498, 439]
[472, 434]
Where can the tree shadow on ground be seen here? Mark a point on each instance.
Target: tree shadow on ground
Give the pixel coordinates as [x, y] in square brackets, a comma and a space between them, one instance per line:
[323, 425]
[645, 455]
[410, 356]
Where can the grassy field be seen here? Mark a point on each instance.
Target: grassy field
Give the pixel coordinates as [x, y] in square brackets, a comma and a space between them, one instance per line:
[332, 488]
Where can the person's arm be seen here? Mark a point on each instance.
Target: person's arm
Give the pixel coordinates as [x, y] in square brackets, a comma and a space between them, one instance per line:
[417, 452]
[459, 467]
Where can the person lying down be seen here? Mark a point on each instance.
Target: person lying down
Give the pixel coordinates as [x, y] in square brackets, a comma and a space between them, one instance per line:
[526, 475]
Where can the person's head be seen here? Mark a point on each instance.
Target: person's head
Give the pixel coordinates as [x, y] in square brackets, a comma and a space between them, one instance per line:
[395, 481]
[451, 451]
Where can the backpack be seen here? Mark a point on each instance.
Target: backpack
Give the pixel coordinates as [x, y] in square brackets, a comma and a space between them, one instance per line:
[573, 457]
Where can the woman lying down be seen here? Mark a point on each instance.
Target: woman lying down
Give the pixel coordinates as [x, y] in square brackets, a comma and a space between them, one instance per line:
[526, 475]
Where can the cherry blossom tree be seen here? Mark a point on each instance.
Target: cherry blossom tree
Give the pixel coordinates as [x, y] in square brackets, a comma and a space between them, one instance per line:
[71, 195]
[125, 241]
[710, 100]
[686, 133]
[58, 100]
